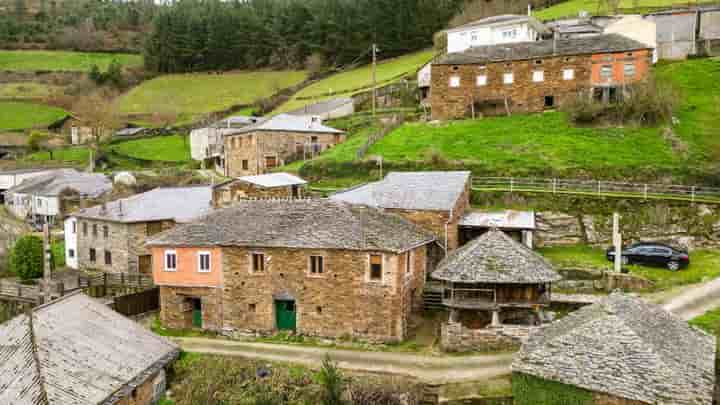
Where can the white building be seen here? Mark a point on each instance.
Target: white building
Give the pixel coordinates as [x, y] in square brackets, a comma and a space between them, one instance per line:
[206, 143]
[38, 199]
[501, 29]
[71, 244]
[12, 178]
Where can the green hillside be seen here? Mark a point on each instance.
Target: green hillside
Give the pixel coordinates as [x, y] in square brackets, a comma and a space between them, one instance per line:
[192, 95]
[357, 80]
[62, 61]
[174, 148]
[548, 145]
[573, 7]
[19, 116]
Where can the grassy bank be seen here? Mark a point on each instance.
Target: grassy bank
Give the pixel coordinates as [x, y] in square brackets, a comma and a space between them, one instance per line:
[174, 148]
[20, 115]
[26, 90]
[62, 60]
[571, 8]
[709, 322]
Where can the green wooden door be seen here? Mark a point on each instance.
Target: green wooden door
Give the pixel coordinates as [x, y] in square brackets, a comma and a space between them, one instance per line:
[197, 313]
[285, 315]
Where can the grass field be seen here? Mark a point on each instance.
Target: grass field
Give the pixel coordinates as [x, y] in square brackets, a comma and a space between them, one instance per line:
[67, 155]
[62, 60]
[573, 7]
[175, 148]
[704, 266]
[18, 115]
[26, 90]
[192, 95]
[709, 322]
[346, 83]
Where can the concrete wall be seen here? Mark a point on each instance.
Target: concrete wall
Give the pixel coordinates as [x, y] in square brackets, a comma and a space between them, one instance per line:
[461, 39]
[638, 28]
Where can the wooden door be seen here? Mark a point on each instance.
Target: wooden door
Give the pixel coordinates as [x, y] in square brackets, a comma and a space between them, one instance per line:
[285, 315]
[197, 313]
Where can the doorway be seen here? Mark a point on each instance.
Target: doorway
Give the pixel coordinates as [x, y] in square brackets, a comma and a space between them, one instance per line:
[196, 312]
[285, 313]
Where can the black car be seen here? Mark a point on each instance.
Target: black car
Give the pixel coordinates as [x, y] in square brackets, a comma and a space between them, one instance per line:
[652, 254]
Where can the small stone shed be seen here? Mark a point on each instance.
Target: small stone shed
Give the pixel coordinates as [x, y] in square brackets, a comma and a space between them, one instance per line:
[621, 350]
[271, 185]
[495, 288]
[76, 350]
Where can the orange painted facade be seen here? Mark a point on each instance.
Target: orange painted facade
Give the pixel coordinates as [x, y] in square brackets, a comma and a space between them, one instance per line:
[188, 272]
[642, 60]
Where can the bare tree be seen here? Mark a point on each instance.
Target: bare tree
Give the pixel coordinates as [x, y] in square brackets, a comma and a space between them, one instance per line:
[97, 112]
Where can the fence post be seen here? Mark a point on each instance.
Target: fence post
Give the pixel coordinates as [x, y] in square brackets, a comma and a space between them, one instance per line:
[511, 184]
[554, 186]
[693, 194]
[598, 188]
[19, 291]
[646, 191]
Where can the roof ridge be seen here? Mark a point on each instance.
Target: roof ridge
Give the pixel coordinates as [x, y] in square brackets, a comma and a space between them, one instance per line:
[36, 358]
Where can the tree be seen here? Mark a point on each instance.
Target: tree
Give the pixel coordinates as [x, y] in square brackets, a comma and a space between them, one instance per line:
[26, 258]
[97, 112]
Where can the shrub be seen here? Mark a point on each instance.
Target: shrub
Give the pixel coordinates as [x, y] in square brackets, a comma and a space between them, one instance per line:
[333, 384]
[35, 141]
[26, 258]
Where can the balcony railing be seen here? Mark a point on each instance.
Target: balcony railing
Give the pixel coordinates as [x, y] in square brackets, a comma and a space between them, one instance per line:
[472, 298]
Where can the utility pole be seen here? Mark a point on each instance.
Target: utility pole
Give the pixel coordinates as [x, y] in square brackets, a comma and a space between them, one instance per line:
[617, 242]
[374, 77]
[47, 263]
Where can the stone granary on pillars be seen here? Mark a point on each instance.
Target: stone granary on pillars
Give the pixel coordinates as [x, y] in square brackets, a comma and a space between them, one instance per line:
[271, 185]
[492, 282]
[621, 350]
[318, 267]
[76, 350]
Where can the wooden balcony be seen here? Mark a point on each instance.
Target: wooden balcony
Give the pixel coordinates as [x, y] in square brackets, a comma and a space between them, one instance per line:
[487, 300]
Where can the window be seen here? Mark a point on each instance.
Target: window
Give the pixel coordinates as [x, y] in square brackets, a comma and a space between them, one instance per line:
[95, 231]
[74, 227]
[508, 78]
[85, 228]
[481, 80]
[317, 264]
[509, 34]
[549, 101]
[376, 267]
[108, 258]
[408, 264]
[251, 307]
[93, 255]
[71, 253]
[568, 74]
[245, 164]
[153, 228]
[606, 72]
[170, 260]
[454, 81]
[258, 262]
[538, 62]
[538, 76]
[629, 70]
[39, 203]
[271, 162]
[106, 231]
[204, 262]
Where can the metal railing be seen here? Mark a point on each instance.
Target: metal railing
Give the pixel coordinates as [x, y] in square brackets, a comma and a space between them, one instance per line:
[600, 188]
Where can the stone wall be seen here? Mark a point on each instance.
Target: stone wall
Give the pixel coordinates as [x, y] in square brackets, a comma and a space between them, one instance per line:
[229, 193]
[176, 312]
[144, 394]
[457, 338]
[254, 147]
[600, 398]
[340, 302]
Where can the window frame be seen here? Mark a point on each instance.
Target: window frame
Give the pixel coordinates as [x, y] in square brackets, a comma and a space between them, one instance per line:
[408, 264]
[568, 74]
[507, 75]
[106, 231]
[95, 231]
[166, 255]
[454, 82]
[538, 76]
[71, 253]
[107, 256]
[608, 69]
[253, 269]
[85, 228]
[481, 80]
[370, 277]
[311, 263]
[625, 70]
[200, 255]
[92, 254]
[74, 226]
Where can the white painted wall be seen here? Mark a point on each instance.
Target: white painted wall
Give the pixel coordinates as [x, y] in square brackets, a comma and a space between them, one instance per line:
[461, 39]
[24, 205]
[638, 28]
[71, 260]
[11, 180]
[201, 141]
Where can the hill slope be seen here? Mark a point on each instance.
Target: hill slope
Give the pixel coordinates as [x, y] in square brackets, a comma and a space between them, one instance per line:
[571, 8]
[62, 61]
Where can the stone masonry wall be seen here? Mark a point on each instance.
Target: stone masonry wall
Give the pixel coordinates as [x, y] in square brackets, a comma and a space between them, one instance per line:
[144, 394]
[600, 398]
[176, 313]
[340, 302]
[239, 190]
[254, 147]
[457, 338]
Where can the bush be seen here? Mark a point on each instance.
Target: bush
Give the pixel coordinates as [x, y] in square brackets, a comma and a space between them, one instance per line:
[26, 258]
[648, 103]
[331, 379]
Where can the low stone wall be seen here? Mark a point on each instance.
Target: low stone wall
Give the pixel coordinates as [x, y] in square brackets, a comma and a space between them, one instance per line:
[591, 280]
[457, 338]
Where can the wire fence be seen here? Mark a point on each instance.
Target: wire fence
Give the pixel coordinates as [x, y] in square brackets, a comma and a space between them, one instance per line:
[645, 191]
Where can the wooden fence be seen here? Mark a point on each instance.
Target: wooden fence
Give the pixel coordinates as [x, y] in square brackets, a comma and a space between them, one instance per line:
[20, 292]
[138, 303]
[599, 188]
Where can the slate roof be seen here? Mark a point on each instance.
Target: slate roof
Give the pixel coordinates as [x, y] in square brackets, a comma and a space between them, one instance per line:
[625, 347]
[25, 171]
[410, 190]
[273, 180]
[502, 20]
[130, 131]
[322, 107]
[321, 224]
[289, 123]
[180, 204]
[539, 49]
[76, 351]
[51, 184]
[495, 257]
[506, 219]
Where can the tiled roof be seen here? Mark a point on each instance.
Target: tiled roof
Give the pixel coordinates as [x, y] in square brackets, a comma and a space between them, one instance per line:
[273, 180]
[410, 190]
[76, 350]
[495, 257]
[322, 224]
[289, 123]
[625, 347]
[52, 184]
[180, 204]
[540, 49]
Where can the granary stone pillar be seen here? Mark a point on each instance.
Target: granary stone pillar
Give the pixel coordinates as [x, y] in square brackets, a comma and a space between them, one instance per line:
[495, 319]
[454, 315]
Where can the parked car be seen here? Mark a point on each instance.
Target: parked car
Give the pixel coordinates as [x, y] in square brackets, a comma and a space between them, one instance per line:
[652, 254]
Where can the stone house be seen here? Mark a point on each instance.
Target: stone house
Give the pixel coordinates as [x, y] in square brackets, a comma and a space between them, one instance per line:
[76, 350]
[436, 201]
[12, 178]
[206, 144]
[111, 237]
[42, 199]
[316, 267]
[273, 142]
[495, 288]
[621, 350]
[535, 76]
[271, 185]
